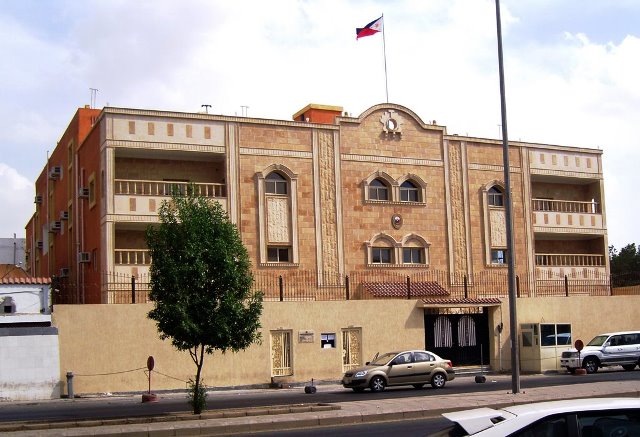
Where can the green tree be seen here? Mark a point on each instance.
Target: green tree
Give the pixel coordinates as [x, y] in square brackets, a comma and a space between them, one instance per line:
[625, 261]
[201, 283]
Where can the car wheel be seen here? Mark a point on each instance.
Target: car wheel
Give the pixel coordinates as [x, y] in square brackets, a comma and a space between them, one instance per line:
[629, 367]
[358, 389]
[571, 370]
[438, 380]
[418, 386]
[377, 384]
[590, 365]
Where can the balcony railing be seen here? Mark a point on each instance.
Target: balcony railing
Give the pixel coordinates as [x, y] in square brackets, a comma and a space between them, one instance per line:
[569, 260]
[566, 206]
[132, 257]
[165, 188]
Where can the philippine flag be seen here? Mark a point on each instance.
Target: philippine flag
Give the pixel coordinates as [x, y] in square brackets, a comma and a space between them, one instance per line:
[370, 29]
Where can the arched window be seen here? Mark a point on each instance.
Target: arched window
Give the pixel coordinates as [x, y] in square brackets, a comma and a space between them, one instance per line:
[277, 216]
[495, 196]
[409, 192]
[275, 183]
[413, 255]
[381, 255]
[415, 250]
[378, 190]
[381, 250]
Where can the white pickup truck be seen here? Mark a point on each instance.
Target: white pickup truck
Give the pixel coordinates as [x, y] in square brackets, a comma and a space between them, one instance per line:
[612, 349]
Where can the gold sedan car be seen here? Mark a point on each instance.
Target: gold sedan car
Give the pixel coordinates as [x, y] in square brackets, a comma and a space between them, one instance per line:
[415, 367]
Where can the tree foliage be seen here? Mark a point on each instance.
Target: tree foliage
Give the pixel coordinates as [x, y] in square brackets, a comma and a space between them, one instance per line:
[201, 280]
[626, 260]
[625, 265]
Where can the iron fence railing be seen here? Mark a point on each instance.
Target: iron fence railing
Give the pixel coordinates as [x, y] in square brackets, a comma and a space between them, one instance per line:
[295, 285]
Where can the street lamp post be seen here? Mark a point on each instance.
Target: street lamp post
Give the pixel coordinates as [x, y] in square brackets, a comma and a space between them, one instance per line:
[511, 256]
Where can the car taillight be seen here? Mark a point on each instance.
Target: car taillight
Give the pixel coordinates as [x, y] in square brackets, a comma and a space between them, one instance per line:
[450, 363]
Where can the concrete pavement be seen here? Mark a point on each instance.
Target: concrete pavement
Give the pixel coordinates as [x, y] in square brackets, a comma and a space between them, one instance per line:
[244, 421]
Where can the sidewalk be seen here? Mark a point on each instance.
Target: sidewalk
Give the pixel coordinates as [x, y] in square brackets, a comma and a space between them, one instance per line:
[311, 415]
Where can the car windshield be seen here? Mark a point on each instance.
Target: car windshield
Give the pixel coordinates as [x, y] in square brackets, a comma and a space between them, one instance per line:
[383, 359]
[598, 340]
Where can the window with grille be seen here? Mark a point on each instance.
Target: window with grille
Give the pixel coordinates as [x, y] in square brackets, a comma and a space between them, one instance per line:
[378, 190]
[381, 255]
[409, 192]
[498, 256]
[278, 254]
[275, 183]
[496, 197]
[413, 255]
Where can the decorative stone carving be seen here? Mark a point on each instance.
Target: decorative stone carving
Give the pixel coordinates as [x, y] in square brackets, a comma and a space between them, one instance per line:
[328, 202]
[391, 123]
[457, 209]
[396, 221]
[498, 229]
[278, 220]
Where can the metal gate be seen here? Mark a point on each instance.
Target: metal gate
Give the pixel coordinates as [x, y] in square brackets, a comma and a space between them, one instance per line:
[458, 337]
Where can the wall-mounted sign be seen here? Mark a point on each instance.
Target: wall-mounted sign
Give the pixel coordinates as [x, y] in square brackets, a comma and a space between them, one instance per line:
[305, 337]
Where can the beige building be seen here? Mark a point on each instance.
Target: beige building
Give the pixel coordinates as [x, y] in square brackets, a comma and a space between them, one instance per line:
[382, 205]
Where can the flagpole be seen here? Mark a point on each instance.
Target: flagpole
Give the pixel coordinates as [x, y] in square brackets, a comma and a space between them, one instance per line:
[384, 51]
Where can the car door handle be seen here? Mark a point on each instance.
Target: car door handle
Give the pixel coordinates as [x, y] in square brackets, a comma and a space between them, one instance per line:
[409, 367]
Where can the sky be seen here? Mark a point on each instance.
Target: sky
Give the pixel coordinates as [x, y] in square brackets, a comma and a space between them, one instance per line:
[572, 73]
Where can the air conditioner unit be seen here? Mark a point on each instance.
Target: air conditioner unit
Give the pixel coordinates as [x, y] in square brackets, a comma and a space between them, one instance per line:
[55, 226]
[84, 257]
[39, 244]
[64, 215]
[64, 272]
[84, 192]
[38, 199]
[55, 172]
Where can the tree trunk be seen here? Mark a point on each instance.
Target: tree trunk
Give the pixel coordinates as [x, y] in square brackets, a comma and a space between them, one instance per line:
[197, 405]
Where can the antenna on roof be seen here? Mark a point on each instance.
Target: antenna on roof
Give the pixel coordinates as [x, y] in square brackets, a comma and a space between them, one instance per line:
[206, 108]
[94, 94]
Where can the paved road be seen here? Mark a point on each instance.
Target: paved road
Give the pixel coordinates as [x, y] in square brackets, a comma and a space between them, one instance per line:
[131, 406]
[425, 404]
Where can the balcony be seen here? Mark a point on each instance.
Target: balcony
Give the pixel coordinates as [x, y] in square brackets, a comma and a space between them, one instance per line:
[583, 266]
[131, 262]
[140, 199]
[567, 216]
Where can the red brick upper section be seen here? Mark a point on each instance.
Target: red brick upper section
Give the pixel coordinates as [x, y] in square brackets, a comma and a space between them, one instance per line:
[313, 113]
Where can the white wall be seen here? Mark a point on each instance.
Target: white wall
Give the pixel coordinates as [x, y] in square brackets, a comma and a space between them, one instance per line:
[29, 363]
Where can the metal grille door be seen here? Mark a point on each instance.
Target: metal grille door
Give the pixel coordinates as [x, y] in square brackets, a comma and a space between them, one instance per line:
[281, 353]
[351, 349]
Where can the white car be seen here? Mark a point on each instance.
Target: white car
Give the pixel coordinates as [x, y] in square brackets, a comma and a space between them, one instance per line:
[615, 348]
[616, 417]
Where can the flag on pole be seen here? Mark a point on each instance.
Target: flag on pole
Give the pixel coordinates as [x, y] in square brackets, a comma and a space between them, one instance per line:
[370, 29]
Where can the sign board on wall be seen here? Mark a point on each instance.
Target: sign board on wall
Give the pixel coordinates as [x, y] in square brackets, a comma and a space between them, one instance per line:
[305, 337]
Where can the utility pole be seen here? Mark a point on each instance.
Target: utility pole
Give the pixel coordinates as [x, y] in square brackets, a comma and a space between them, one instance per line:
[511, 256]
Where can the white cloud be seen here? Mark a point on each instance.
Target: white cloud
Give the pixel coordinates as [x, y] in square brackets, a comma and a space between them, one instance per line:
[16, 198]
